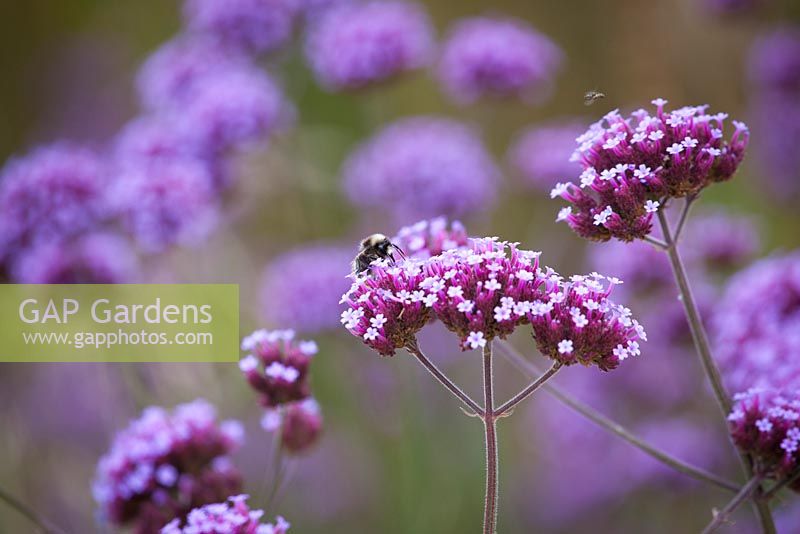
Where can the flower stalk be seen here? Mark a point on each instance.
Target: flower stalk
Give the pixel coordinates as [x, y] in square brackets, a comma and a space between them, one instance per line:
[490, 426]
[43, 525]
[747, 492]
[703, 347]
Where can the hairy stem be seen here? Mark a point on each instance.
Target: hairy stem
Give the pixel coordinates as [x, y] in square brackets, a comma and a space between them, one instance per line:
[615, 428]
[489, 424]
[745, 493]
[684, 216]
[414, 349]
[42, 524]
[525, 393]
[703, 347]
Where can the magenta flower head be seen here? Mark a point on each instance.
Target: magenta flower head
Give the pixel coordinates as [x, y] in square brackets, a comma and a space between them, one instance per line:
[765, 423]
[756, 325]
[95, 258]
[231, 517]
[299, 424]
[427, 154]
[54, 192]
[166, 203]
[541, 154]
[164, 464]
[497, 57]
[356, 44]
[631, 165]
[301, 288]
[576, 322]
[277, 366]
[389, 305]
[169, 76]
[250, 25]
[483, 291]
[238, 106]
[428, 238]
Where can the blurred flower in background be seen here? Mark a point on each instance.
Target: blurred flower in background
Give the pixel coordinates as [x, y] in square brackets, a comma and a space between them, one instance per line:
[541, 154]
[422, 167]
[497, 57]
[164, 464]
[355, 44]
[427, 238]
[774, 72]
[756, 328]
[301, 288]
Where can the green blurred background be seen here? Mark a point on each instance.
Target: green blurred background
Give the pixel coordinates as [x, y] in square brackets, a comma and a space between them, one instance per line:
[397, 455]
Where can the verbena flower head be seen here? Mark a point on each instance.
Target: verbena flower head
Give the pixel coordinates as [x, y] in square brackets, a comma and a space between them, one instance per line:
[388, 306]
[765, 423]
[632, 164]
[230, 517]
[422, 155]
[251, 25]
[54, 192]
[299, 424]
[169, 202]
[541, 154]
[95, 258]
[483, 291]
[238, 106]
[169, 76]
[277, 366]
[428, 238]
[165, 463]
[301, 288]
[576, 322]
[356, 44]
[756, 325]
[487, 290]
[499, 57]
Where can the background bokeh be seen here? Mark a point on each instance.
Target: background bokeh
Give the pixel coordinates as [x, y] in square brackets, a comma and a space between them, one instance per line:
[397, 455]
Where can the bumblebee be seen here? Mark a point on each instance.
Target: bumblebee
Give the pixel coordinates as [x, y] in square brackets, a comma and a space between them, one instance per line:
[374, 247]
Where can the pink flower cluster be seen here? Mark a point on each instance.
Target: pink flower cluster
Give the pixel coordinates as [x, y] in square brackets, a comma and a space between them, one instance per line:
[486, 290]
[633, 165]
[165, 463]
[765, 423]
[428, 238]
[277, 368]
[231, 517]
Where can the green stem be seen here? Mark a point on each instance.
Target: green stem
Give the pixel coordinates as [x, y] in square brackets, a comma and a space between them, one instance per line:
[490, 427]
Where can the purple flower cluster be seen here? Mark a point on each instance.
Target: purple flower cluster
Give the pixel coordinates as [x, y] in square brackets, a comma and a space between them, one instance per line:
[428, 238]
[633, 165]
[251, 25]
[485, 291]
[301, 288]
[541, 154]
[765, 423]
[422, 154]
[164, 464]
[576, 322]
[774, 66]
[756, 325]
[720, 240]
[355, 44]
[93, 258]
[53, 193]
[496, 57]
[277, 368]
[231, 517]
